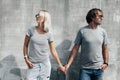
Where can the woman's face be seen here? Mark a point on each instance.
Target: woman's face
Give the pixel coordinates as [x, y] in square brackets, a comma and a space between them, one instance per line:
[40, 17]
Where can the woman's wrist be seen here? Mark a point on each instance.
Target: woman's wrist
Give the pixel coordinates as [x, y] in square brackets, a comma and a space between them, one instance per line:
[60, 65]
[26, 58]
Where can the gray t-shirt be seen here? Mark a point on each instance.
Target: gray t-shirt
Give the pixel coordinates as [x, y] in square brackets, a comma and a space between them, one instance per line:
[91, 41]
[38, 45]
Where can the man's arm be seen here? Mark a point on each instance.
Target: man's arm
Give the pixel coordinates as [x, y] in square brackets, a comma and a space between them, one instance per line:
[72, 56]
[105, 57]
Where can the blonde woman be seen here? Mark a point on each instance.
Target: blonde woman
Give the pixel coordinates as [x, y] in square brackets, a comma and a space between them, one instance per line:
[40, 41]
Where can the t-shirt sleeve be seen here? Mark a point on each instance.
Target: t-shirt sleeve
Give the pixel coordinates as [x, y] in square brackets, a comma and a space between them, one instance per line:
[28, 33]
[105, 39]
[50, 39]
[78, 39]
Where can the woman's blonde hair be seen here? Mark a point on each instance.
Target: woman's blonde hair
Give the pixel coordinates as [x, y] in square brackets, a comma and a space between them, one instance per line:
[47, 19]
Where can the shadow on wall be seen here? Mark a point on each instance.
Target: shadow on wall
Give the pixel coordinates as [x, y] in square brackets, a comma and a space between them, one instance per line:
[9, 69]
[64, 52]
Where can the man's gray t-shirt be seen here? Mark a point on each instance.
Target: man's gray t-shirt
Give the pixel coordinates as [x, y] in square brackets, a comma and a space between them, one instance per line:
[38, 45]
[91, 41]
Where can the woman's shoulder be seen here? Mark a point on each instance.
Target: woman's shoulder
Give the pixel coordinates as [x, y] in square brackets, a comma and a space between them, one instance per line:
[32, 28]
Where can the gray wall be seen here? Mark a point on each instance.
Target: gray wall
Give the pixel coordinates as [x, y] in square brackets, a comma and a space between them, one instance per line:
[16, 16]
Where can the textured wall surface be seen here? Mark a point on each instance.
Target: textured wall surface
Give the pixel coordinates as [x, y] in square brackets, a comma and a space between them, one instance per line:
[16, 16]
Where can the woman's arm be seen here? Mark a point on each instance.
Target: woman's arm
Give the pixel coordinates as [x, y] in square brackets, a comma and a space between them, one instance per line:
[55, 55]
[25, 51]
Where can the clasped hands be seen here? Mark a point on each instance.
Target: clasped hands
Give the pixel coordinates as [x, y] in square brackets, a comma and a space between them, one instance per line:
[64, 68]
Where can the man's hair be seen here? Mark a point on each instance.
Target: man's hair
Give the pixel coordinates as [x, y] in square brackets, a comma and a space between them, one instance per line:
[92, 14]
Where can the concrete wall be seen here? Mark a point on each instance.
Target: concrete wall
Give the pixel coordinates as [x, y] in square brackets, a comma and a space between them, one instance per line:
[16, 16]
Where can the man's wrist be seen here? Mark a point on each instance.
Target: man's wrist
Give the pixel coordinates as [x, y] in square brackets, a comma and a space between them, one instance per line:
[68, 65]
[105, 63]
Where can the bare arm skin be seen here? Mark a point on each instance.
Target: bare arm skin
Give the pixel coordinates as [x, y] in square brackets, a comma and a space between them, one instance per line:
[105, 57]
[55, 55]
[25, 52]
[72, 56]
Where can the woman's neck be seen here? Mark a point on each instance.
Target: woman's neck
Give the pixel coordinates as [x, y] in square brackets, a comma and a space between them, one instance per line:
[40, 28]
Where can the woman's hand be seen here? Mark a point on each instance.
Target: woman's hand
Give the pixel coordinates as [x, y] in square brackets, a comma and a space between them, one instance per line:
[29, 63]
[62, 68]
[66, 67]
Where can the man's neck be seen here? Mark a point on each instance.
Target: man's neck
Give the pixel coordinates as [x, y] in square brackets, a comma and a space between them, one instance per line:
[93, 26]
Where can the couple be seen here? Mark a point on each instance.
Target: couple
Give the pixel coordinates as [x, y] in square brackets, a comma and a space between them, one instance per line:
[92, 39]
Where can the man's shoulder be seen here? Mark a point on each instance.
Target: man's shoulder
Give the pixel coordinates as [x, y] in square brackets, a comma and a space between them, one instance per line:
[83, 28]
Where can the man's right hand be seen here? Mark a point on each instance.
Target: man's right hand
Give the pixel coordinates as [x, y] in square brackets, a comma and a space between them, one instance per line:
[66, 68]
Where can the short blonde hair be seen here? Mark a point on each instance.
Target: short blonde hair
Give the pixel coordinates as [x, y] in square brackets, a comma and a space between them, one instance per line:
[47, 18]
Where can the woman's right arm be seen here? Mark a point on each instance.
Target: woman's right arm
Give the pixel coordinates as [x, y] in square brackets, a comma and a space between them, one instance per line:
[25, 51]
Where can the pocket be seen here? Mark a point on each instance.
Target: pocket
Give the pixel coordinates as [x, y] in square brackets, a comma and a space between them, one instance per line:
[101, 70]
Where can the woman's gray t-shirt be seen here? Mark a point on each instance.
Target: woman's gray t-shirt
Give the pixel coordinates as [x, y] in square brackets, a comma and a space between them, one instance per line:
[38, 45]
[91, 42]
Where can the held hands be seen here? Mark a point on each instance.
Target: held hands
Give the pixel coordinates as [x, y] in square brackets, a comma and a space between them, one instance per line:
[64, 68]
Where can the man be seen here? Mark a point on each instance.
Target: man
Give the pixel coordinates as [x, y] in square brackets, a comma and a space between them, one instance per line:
[94, 52]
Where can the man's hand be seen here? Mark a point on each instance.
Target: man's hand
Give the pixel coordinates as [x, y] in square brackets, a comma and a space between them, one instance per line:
[104, 66]
[66, 68]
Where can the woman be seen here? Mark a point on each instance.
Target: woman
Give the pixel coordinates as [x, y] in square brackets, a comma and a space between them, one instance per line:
[40, 41]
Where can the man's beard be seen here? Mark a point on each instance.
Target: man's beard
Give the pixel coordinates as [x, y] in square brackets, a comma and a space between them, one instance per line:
[97, 23]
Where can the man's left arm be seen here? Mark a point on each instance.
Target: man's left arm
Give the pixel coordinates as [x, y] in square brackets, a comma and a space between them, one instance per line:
[105, 57]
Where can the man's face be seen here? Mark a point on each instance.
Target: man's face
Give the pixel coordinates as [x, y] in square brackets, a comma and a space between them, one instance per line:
[99, 17]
